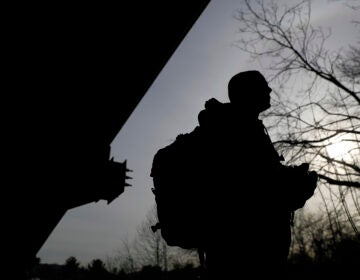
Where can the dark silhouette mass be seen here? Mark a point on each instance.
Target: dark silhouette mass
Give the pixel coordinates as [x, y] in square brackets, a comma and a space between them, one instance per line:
[73, 74]
[223, 189]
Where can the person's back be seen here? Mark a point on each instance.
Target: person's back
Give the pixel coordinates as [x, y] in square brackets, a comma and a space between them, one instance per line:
[242, 235]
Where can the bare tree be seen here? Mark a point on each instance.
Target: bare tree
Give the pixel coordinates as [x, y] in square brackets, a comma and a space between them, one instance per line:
[316, 240]
[148, 248]
[124, 259]
[152, 249]
[320, 121]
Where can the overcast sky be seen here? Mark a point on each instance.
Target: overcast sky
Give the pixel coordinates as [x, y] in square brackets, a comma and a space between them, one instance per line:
[199, 70]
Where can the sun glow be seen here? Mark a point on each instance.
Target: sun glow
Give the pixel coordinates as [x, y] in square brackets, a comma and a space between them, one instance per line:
[341, 148]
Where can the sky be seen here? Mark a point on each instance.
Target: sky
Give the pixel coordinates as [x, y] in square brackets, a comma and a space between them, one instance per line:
[199, 70]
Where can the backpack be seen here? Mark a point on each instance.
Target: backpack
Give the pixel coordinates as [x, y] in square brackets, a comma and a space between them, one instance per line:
[178, 172]
[177, 191]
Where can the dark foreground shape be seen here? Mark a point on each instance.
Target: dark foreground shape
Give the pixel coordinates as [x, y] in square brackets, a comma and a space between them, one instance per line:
[73, 75]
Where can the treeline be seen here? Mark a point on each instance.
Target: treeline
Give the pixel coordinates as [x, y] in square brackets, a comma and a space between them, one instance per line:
[97, 270]
[332, 261]
[323, 247]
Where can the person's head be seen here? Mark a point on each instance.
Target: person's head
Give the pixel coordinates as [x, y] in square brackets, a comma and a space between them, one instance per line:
[250, 89]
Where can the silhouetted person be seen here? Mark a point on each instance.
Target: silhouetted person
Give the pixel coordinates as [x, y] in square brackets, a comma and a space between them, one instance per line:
[223, 189]
[248, 224]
